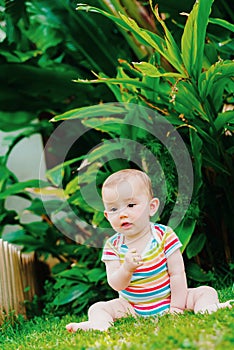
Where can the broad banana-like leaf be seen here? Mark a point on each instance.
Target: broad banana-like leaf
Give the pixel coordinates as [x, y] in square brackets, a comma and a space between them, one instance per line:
[195, 245]
[90, 112]
[185, 231]
[193, 38]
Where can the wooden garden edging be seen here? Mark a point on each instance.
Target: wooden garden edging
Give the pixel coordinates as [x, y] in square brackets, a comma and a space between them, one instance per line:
[17, 280]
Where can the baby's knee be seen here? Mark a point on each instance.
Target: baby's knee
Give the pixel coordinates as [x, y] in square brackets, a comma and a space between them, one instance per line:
[207, 290]
[97, 307]
[199, 295]
[204, 295]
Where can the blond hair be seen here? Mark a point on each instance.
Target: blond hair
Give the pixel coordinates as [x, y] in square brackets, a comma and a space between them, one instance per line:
[125, 174]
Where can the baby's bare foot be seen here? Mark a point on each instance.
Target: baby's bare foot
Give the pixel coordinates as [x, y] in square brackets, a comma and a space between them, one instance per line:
[73, 327]
[86, 326]
[214, 307]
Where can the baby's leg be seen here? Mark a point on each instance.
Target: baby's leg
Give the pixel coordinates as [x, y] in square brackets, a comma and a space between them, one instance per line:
[102, 315]
[205, 299]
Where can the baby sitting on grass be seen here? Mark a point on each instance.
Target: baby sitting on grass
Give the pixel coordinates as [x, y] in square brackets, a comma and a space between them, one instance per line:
[143, 260]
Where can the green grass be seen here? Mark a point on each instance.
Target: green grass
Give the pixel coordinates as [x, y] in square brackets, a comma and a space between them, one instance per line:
[187, 331]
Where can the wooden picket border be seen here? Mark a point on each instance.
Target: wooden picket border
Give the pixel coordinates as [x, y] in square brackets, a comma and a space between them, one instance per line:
[17, 280]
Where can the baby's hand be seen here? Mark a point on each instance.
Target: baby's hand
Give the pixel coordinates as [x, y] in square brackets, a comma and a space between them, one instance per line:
[132, 260]
[176, 310]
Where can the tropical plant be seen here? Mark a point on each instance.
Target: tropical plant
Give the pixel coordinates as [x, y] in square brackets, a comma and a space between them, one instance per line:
[195, 95]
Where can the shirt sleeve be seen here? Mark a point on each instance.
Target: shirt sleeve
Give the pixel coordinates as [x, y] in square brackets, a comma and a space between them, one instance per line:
[171, 242]
[110, 252]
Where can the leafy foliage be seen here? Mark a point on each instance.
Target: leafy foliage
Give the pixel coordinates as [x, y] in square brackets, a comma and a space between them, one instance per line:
[193, 95]
[43, 47]
[179, 66]
[79, 287]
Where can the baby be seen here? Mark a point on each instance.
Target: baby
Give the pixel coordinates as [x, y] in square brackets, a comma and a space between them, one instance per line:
[143, 260]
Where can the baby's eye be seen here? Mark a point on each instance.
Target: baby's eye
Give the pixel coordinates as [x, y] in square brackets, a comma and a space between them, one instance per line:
[112, 210]
[131, 205]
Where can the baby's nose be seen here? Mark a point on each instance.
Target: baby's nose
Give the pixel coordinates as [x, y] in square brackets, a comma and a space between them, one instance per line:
[123, 213]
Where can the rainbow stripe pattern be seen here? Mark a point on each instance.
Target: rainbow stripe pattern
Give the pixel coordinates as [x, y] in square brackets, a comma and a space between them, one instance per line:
[149, 290]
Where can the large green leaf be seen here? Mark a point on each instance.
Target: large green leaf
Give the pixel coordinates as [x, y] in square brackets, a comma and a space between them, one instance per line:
[90, 112]
[185, 231]
[144, 36]
[193, 39]
[131, 81]
[195, 245]
[172, 52]
[104, 149]
[222, 23]
[13, 11]
[22, 186]
[44, 29]
[167, 48]
[24, 239]
[105, 124]
[222, 70]
[36, 227]
[76, 273]
[69, 294]
[224, 119]
[37, 206]
[95, 275]
[195, 272]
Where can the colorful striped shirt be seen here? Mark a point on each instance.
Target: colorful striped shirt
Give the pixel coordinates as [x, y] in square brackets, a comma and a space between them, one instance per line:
[149, 290]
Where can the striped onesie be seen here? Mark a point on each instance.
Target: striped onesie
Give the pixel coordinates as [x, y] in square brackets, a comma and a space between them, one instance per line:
[149, 290]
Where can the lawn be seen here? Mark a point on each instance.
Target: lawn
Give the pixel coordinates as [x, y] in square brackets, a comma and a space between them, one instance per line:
[187, 331]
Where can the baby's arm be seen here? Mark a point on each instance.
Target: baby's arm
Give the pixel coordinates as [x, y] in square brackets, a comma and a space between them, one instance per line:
[178, 281]
[119, 275]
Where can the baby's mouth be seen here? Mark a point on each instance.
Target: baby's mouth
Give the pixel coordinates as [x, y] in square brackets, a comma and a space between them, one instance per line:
[126, 224]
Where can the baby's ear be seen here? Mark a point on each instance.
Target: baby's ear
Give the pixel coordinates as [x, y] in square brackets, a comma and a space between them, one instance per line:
[106, 215]
[154, 205]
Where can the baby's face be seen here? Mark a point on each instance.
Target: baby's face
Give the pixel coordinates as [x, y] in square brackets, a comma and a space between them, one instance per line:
[128, 206]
